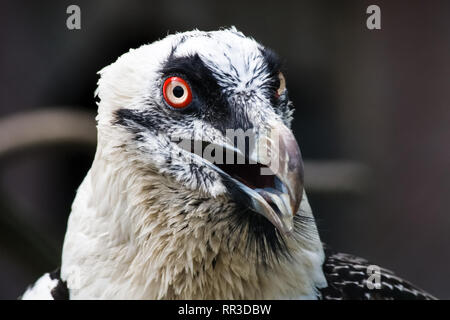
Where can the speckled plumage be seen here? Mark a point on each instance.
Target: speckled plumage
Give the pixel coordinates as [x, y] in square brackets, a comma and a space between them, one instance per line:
[347, 278]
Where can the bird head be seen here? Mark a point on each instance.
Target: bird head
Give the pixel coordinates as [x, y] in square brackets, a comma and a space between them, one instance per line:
[196, 189]
[209, 113]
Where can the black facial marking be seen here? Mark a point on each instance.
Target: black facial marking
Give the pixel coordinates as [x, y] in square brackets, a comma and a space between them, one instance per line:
[260, 234]
[220, 107]
[273, 63]
[210, 103]
[272, 60]
[198, 74]
[130, 118]
[273, 66]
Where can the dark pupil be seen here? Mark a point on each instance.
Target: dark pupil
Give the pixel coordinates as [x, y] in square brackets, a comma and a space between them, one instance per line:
[178, 91]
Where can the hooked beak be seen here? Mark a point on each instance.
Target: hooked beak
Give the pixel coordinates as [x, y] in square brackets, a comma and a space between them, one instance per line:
[271, 183]
[276, 190]
[265, 176]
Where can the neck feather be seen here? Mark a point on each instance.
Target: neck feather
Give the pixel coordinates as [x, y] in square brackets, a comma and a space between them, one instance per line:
[152, 239]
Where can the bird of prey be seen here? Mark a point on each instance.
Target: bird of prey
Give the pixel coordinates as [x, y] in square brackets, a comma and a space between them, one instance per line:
[161, 214]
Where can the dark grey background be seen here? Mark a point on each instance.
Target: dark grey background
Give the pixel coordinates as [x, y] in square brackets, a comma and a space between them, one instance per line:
[377, 98]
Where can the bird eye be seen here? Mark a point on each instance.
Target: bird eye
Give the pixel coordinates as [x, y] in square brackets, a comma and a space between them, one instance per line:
[177, 92]
[282, 86]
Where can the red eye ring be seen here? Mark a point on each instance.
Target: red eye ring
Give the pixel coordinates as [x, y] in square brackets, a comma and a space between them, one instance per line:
[177, 92]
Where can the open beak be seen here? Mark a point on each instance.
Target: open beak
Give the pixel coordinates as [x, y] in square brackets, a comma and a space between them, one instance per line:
[275, 189]
[265, 175]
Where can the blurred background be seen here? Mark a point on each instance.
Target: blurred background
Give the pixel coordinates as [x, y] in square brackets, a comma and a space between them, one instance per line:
[372, 119]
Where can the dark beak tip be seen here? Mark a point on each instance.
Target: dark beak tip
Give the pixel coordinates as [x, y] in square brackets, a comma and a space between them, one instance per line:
[280, 203]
